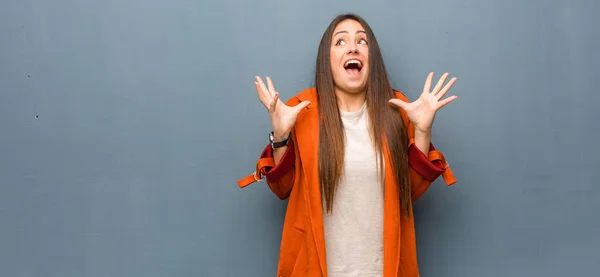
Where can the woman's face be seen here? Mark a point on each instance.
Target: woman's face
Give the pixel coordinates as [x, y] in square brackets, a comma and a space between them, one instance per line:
[349, 56]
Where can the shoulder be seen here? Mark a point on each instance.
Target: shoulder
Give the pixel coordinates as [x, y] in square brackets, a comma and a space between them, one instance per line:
[307, 94]
[401, 96]
[310, 94]
[307, 116]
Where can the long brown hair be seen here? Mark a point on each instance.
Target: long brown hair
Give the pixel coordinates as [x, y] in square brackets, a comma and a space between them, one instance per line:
[385, 121]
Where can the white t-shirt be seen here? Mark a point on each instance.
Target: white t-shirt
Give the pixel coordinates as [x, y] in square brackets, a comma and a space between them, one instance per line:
[354, 230]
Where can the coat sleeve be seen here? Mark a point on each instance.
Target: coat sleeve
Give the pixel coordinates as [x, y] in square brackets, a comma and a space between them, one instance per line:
[424, 169]
[281, 177]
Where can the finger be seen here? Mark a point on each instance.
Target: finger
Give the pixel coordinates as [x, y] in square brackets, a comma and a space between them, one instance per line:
[446, 101]
[440, 83]
[264, 95]
[274, 101]
[427, 86]
[271, 87]
[263, 88]
[398, 103]
[260, 94]
[446, 88]
[301, 106]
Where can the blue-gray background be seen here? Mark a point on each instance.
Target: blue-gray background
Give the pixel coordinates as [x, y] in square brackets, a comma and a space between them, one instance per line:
[125, 124]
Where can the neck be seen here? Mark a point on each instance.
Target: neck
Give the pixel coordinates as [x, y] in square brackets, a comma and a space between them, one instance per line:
[350, 102]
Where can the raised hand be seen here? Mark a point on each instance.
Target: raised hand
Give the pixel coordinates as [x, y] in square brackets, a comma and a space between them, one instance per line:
[422, 111]
[283, 117]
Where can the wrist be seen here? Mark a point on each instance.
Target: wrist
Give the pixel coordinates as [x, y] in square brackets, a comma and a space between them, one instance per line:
[280, 136]
[423, 133]
[422, 140]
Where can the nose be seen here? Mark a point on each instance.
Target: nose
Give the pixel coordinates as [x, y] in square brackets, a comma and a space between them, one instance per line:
[352, 48]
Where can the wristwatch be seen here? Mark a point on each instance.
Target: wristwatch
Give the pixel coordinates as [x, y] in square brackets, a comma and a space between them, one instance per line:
[277, 144]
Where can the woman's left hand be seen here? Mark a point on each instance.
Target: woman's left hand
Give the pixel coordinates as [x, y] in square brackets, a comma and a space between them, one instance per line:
[422, 111]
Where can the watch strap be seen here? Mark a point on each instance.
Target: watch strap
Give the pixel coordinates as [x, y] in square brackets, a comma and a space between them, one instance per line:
[278, 144]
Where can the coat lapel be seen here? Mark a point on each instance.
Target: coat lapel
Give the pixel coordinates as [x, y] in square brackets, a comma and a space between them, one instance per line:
[391, 220]
[307, 134]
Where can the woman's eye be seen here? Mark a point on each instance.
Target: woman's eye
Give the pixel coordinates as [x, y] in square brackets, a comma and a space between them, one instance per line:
[340, 42]
[363, 41]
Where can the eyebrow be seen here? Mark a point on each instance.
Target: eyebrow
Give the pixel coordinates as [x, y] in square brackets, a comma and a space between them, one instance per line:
[339, 32]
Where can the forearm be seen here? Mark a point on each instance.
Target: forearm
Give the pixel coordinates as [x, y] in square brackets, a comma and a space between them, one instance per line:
[278, 154]
[422, 141]
[281, 178]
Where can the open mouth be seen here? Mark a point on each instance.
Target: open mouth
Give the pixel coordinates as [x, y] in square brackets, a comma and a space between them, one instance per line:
[353, 67]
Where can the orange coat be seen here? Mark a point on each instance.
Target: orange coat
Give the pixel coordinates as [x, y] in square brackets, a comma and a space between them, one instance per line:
[296, 177]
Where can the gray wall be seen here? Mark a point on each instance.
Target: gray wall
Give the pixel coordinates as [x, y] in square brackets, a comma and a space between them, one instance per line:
[125, 124]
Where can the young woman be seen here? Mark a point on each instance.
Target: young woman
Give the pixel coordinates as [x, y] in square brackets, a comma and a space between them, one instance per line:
[351, 155]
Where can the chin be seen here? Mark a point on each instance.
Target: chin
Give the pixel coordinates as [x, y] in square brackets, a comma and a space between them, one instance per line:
[350, 84]
[357, 89]
[352, 88]
[356, 86]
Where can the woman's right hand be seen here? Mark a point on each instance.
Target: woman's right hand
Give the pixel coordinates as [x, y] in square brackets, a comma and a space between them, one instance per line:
[283, 117]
